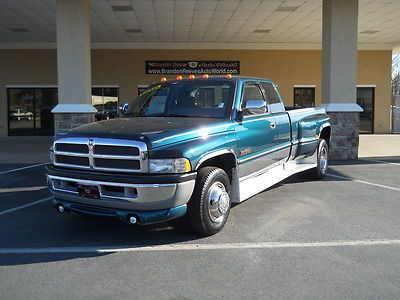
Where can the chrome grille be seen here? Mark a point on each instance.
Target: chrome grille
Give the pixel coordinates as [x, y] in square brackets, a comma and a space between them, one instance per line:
[101, 154]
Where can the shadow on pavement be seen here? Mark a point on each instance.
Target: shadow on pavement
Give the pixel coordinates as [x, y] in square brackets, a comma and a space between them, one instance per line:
[367, 161]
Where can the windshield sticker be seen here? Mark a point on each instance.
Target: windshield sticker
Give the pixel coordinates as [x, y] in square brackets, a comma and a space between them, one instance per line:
[154, 88]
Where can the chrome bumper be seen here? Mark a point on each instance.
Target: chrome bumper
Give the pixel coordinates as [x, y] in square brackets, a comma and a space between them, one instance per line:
[126, 196]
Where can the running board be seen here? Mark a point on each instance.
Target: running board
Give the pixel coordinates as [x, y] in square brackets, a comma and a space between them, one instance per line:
[255, 184]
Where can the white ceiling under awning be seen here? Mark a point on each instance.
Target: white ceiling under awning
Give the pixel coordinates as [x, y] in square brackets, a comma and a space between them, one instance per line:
[210, 24]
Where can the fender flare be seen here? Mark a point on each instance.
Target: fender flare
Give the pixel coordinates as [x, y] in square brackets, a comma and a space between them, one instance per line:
[215, 154]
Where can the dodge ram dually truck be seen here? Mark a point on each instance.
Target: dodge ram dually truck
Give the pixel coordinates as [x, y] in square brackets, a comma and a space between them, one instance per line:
[187, 148]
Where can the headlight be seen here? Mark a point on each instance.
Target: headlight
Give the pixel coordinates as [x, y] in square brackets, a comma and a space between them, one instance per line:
[175, 165]
[51, 155]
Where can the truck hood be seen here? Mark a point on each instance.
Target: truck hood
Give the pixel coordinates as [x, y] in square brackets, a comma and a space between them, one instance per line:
[155, 131]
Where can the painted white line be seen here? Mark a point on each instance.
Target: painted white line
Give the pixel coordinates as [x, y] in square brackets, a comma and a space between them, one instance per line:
[191, 247]
[381, 161]
[4, 212]
[23, 168]
[364, 182]
[22, 189]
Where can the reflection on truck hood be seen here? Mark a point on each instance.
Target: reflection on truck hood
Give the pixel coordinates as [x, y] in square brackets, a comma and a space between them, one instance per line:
[156, 131]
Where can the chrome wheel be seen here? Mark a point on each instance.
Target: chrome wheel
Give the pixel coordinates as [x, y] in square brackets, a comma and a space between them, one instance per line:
[218, 202]
[323, 160]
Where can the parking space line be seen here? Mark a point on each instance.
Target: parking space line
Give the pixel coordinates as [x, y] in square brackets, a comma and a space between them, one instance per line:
[194, 247]
[364, 182]
[23, 168]
[22, 189]
[4, 212]
[381, 161]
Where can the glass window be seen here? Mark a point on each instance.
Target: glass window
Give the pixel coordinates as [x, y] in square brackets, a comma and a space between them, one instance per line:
[105, 100]
[207, 99]
[270, 93]
[30, 110]
[304, 96]
[251, 92]
[365, 99]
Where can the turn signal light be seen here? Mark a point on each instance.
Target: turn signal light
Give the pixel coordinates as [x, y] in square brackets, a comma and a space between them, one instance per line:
[179, 77]
[163, 79]
[192, 77]
[205, 76]
[228, 76]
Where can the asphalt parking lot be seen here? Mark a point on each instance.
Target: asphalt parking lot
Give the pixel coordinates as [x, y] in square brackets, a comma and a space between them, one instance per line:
[337, 238]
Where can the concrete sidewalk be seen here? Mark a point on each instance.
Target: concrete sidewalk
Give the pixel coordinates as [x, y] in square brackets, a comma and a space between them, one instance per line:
[379, 145]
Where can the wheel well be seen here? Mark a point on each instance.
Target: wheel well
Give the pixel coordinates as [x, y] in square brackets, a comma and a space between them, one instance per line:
[225, 162]
[326, 134]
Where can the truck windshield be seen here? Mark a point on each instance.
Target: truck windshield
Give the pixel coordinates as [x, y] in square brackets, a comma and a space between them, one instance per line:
[197, 98]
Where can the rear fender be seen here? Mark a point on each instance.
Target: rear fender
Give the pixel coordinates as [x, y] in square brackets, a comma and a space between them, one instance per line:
[310, 130]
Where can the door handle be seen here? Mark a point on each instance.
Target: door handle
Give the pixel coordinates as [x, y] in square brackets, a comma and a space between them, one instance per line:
[272, 125]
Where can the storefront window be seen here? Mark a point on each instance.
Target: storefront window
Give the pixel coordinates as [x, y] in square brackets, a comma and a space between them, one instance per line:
[365, 99]
[105, 100]
[29, 110]
[304, 96]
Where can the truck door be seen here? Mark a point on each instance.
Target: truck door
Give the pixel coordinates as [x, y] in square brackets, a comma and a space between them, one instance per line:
[282, 121]
[255, 132]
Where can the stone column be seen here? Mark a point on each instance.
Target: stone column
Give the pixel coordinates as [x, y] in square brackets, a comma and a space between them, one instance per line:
[339, 75]
[74, 66]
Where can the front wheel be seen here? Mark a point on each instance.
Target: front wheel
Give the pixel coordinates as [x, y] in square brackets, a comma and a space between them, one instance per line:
[322, 160]
[210, 204]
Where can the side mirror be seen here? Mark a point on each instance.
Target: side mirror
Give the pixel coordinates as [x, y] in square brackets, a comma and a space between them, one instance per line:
[255, 107]
[124, 108]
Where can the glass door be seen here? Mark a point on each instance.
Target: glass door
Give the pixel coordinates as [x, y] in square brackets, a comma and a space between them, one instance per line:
[366, 99]
[45, 100]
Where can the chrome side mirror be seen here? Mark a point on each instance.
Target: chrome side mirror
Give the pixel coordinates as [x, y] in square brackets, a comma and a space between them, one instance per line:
[124, 108]
[256, 107]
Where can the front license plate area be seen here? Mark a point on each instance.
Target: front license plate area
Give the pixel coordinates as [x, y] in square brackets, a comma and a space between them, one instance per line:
[88, 191]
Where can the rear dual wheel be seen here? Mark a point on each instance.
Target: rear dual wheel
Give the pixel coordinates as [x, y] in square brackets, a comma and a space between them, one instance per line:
[322, 160]
[210, 204]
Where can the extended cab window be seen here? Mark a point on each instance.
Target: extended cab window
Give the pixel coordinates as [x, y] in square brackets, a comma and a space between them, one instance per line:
[252, 93]
[270, 93]
[200, 98]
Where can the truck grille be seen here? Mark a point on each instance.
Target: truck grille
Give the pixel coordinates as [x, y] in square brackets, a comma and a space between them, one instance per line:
[101, 154]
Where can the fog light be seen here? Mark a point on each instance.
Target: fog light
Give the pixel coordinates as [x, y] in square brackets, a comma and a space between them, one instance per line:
[60, 208]
[132, 220]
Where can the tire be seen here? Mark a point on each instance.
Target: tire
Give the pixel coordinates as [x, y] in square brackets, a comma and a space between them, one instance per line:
[209, 206]
[322, 160]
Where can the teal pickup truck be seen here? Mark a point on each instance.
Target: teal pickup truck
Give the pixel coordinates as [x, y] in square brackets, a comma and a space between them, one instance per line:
[187, 148]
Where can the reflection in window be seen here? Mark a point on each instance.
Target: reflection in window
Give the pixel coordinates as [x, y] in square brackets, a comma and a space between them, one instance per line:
[105, 100]
[304, 96]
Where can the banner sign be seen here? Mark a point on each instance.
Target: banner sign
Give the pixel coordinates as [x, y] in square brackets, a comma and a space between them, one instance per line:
[210, 67]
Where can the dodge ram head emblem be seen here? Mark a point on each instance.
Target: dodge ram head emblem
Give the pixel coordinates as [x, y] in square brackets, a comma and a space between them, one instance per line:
[91, 152]
[91, 145]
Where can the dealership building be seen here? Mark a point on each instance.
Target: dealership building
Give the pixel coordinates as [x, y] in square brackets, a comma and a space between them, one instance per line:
[65, 63]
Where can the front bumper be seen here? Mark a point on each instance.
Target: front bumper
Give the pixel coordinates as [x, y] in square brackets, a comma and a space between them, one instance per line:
[121, 194]
[141, 217]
